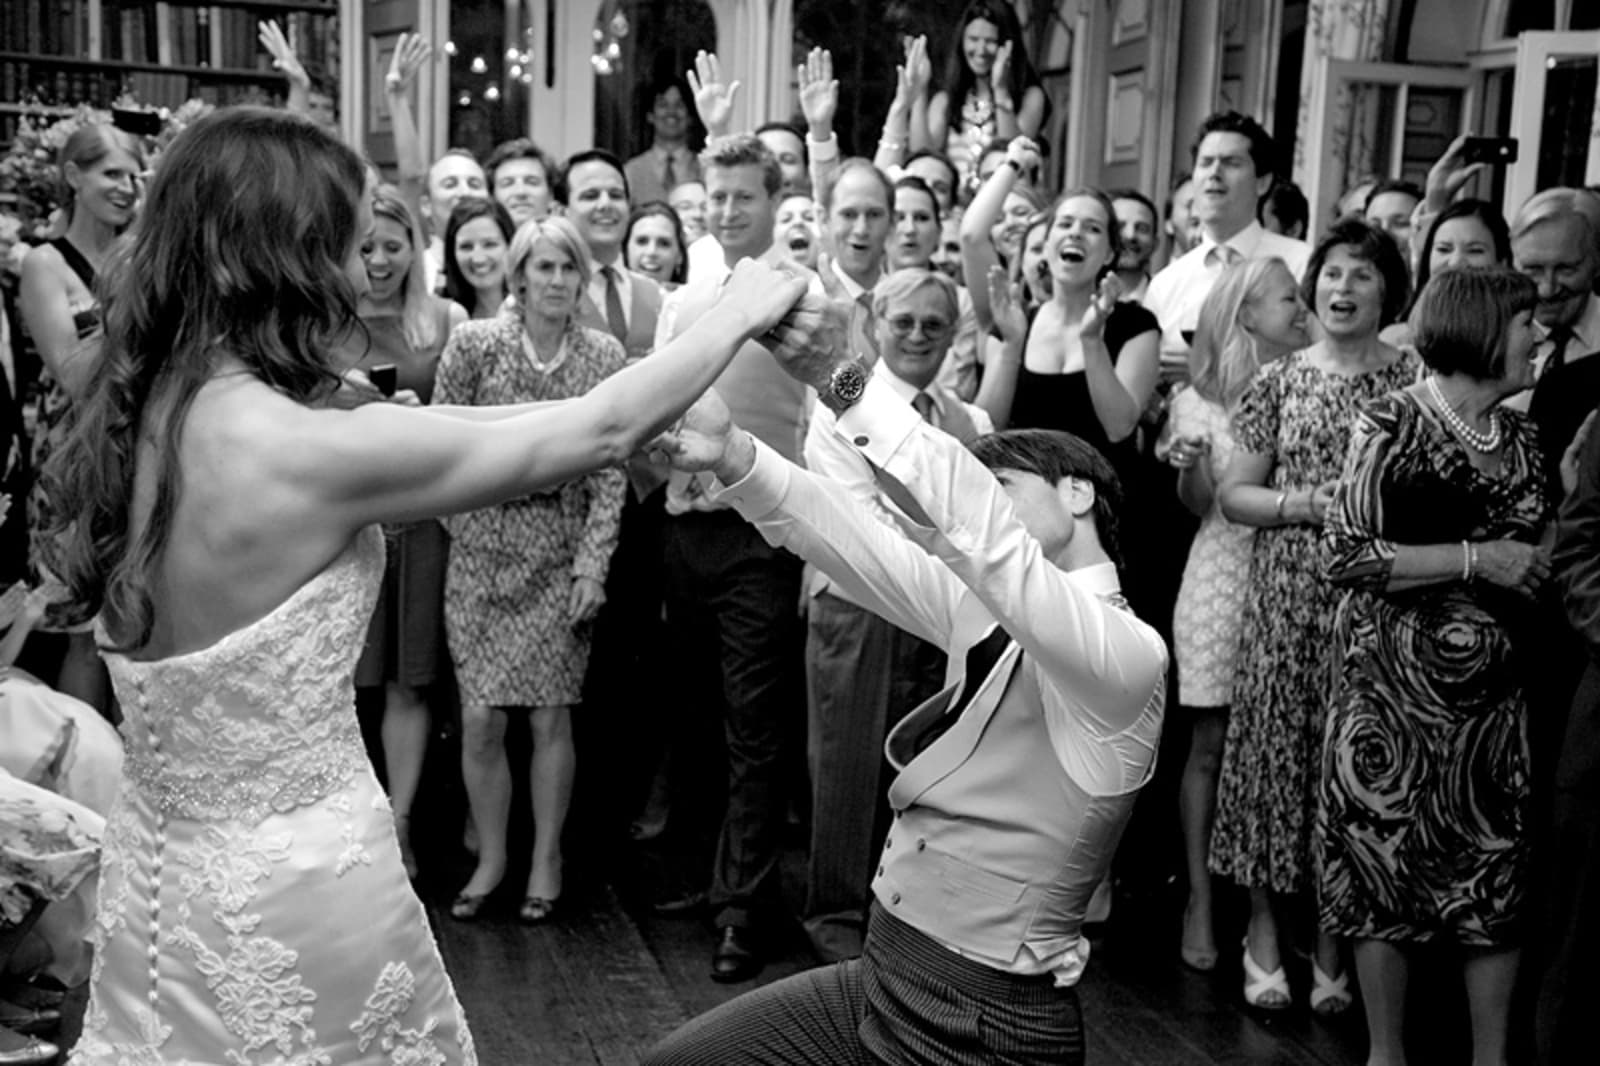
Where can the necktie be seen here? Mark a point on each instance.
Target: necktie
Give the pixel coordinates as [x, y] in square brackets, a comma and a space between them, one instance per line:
[925, 407]
[981, 659]
[669, 173]
[1559, 337]
[1225, 256]
[615, 320]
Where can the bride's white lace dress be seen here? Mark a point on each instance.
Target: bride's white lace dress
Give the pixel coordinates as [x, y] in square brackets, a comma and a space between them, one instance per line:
[253, 909]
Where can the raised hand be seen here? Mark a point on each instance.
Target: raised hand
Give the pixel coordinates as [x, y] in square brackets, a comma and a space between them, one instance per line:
[811, 340]
[918, 68]
[819, 92]
[712, 99]
[1005, 306]
[765, 293]
[1105, 298]
[410, 53]
[1447, 177]
[270, 34]
[1023, 153]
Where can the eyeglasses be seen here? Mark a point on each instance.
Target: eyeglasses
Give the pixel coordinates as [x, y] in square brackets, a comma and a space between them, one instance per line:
[932, 328]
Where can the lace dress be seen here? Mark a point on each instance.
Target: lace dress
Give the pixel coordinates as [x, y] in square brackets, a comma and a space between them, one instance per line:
[253, 908]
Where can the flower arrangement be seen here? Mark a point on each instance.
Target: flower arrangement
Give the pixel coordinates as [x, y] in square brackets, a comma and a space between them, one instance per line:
[28, 170]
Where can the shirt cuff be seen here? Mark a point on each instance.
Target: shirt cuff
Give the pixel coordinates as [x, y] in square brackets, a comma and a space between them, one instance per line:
[823, 151]
[762, 488]
[879, 423]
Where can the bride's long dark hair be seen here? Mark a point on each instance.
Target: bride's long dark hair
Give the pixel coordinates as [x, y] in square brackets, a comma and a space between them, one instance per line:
[240, 251]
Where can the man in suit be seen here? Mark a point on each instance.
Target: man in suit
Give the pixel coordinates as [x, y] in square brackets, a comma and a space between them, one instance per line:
[731, 597]
[655, 172]
[593, 192]
[627, 641]
[1555, 241]
[1567, 939]
[864, 674]
[1014, 783]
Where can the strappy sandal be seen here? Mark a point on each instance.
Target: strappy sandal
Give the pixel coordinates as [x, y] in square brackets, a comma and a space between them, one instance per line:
[1259, 984]
[1329, 995]
[465, 907]
[536, 909]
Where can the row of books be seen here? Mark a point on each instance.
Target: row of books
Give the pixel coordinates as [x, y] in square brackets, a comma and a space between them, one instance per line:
[30, 83]
[173, 33]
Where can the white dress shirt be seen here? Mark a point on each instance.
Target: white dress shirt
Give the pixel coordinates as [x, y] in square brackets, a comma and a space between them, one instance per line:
[829, 455]
[1099, 663]
[1176, 293]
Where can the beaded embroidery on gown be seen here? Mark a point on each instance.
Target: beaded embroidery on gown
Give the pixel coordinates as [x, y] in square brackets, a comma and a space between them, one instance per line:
[253, 908]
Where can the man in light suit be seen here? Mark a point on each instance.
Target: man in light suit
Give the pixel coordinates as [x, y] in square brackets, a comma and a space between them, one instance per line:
[864, 674]
[1014, 783]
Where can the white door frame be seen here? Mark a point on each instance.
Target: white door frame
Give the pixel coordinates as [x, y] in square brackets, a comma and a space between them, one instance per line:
[1322, 185]
[1536, 50]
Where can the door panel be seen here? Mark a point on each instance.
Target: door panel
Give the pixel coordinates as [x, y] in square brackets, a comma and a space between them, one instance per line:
[1554, 115]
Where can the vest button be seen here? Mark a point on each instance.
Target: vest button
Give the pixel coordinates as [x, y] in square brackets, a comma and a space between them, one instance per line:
[880, 871]
[888, 843]
[895, 898]
[921, 844]
[862, 441]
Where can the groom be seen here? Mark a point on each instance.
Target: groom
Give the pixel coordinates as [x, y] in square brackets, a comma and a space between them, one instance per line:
[1013, 784]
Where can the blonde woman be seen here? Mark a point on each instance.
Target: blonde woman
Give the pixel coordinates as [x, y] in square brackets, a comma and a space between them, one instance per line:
[1253, 315]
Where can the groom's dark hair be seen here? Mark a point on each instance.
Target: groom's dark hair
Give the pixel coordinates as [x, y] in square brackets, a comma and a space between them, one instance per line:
[1054, 455]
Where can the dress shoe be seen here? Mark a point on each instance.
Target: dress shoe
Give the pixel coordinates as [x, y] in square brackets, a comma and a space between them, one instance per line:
[684, 903]
[736, 958]
[19, 1050]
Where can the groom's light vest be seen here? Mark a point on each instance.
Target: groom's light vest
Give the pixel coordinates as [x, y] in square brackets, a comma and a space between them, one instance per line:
[993, 845]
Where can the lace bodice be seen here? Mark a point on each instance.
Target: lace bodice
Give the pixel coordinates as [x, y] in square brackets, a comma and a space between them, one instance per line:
[262, 721]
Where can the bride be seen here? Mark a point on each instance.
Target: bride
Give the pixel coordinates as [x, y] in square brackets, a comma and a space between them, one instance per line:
[253, 907]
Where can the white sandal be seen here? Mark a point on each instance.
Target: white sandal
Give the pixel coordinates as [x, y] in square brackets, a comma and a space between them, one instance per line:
[1329, 995]
[1260, 983]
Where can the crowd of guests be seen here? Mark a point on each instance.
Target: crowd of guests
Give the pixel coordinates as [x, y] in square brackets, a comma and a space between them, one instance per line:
[1340, 469]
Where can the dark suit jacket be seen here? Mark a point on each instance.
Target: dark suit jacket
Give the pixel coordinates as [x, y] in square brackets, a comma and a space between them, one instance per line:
[1561, 401]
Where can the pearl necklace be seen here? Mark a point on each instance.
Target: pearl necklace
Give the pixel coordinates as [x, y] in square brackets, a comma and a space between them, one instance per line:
[1478, 441]
[533, 356]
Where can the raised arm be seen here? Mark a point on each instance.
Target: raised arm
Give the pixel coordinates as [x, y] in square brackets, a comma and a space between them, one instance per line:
[998, 390]
[713, 98]
[977, 248]
[829, 525]
[908, 110]
[383, 462]
[270, 34]
[410, 53]
[819, 102]
[1118, 391]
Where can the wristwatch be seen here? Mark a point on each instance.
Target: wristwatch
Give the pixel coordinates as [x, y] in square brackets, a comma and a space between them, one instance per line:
[846, 384]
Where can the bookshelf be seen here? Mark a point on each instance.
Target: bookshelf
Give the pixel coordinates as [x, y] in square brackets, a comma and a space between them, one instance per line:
[55, 54]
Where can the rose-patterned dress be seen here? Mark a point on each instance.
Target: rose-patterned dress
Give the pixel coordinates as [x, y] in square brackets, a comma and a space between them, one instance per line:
[1421, 830]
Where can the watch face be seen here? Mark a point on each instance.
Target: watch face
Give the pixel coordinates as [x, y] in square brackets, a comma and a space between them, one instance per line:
[848, 383]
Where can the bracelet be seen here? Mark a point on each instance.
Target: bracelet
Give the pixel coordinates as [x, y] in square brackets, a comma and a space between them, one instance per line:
[998, 106]
[893, 146]
[1277, 507]
[1469, 560]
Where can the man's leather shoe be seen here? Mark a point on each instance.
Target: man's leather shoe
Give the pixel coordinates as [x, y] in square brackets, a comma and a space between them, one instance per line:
[690, 902]
[736, 958]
